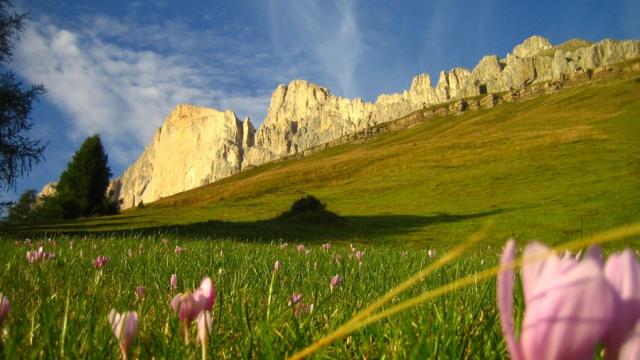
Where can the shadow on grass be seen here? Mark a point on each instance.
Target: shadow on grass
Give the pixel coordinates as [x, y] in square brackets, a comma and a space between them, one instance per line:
[363, 228]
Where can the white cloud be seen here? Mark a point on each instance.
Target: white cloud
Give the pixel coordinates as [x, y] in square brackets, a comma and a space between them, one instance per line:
[123, 90]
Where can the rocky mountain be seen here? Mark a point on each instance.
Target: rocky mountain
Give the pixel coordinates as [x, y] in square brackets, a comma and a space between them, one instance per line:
[193, 147]
[196, 145]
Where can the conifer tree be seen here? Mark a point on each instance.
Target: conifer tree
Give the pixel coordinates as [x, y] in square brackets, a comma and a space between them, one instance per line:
[82, 188]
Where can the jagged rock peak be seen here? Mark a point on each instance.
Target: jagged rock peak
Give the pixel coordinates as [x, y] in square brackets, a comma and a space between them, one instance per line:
[532, 46]
[198, 145]
[194, 146]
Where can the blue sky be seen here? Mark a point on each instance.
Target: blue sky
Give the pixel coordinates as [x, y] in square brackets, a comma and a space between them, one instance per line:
[117, 68]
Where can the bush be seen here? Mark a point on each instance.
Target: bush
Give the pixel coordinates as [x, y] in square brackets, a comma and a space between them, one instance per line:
[310, 209]
[308, 203]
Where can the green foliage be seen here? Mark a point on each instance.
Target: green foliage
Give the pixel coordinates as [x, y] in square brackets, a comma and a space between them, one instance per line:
[22, 211]
[82, 188]
[310, 209]
[308, 203]
[18, 151]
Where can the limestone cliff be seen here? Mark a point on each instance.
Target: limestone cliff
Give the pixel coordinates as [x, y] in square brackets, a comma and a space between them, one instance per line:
[196, 146]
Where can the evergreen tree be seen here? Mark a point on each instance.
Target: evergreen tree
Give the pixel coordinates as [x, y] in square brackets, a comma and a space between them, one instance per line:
[18, 151]
[22, 211]
[82, 188]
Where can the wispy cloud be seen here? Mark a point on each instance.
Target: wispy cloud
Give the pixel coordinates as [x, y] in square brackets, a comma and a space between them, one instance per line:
[121, 80]
[326, 31]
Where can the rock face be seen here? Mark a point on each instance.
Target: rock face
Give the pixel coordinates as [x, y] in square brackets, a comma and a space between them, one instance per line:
[49, 189]
[196, 146]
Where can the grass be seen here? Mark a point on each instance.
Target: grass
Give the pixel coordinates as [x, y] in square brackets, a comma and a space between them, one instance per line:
[557, 167]
[242, 271]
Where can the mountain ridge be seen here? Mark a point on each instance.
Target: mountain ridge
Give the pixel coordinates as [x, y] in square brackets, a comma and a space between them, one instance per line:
[211, 145]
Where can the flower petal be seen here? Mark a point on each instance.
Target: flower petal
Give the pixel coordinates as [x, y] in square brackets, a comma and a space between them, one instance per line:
[535, 257]
[623, 273]
[504, 285]
[209, 293]
[630, 349]
[204, 325]
[571, 307]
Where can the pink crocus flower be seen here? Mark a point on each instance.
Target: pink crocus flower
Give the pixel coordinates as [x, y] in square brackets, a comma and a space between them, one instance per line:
[39, 255]
[569, 305]
[301, 248]
[4, 307]
[173, 282]
[431, 253]
[139, 292]
[295, 298]
[623, 272]
[630, 348]
[100, 261]
[284, 245]
[124, 327]
[359, 255]
[326, 247]
[204, 326]
[277, 266]
[179, 249]
[188, 306]
[298, 306]
[336, 280]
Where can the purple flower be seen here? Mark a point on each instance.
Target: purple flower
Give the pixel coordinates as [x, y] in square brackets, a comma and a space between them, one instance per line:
[4, 307]
[326, 247]
[569, 305]
[623, 273]
[204, 326]
[277, 266]
[173, 282]
[359, 255]
[298, 306]
[124, 327]
[295, 298]
[100, 261]
[284, 245]
[189, 306]
[39, 255]
[301, 248]
[336, 280]
[179, 249]
[139, 292]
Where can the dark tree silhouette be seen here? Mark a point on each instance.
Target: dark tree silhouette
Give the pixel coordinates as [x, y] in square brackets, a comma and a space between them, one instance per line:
[18, 151]
[82, 188]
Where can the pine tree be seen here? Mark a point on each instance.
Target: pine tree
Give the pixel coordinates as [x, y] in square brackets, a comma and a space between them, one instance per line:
[22, 211]
[82, 188]
[18, 151]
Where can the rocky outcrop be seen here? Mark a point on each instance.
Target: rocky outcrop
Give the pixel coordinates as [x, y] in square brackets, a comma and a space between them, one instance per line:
[49, 189]
[196, 146]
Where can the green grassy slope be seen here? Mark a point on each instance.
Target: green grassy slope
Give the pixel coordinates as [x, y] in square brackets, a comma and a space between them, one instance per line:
[554, 168]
